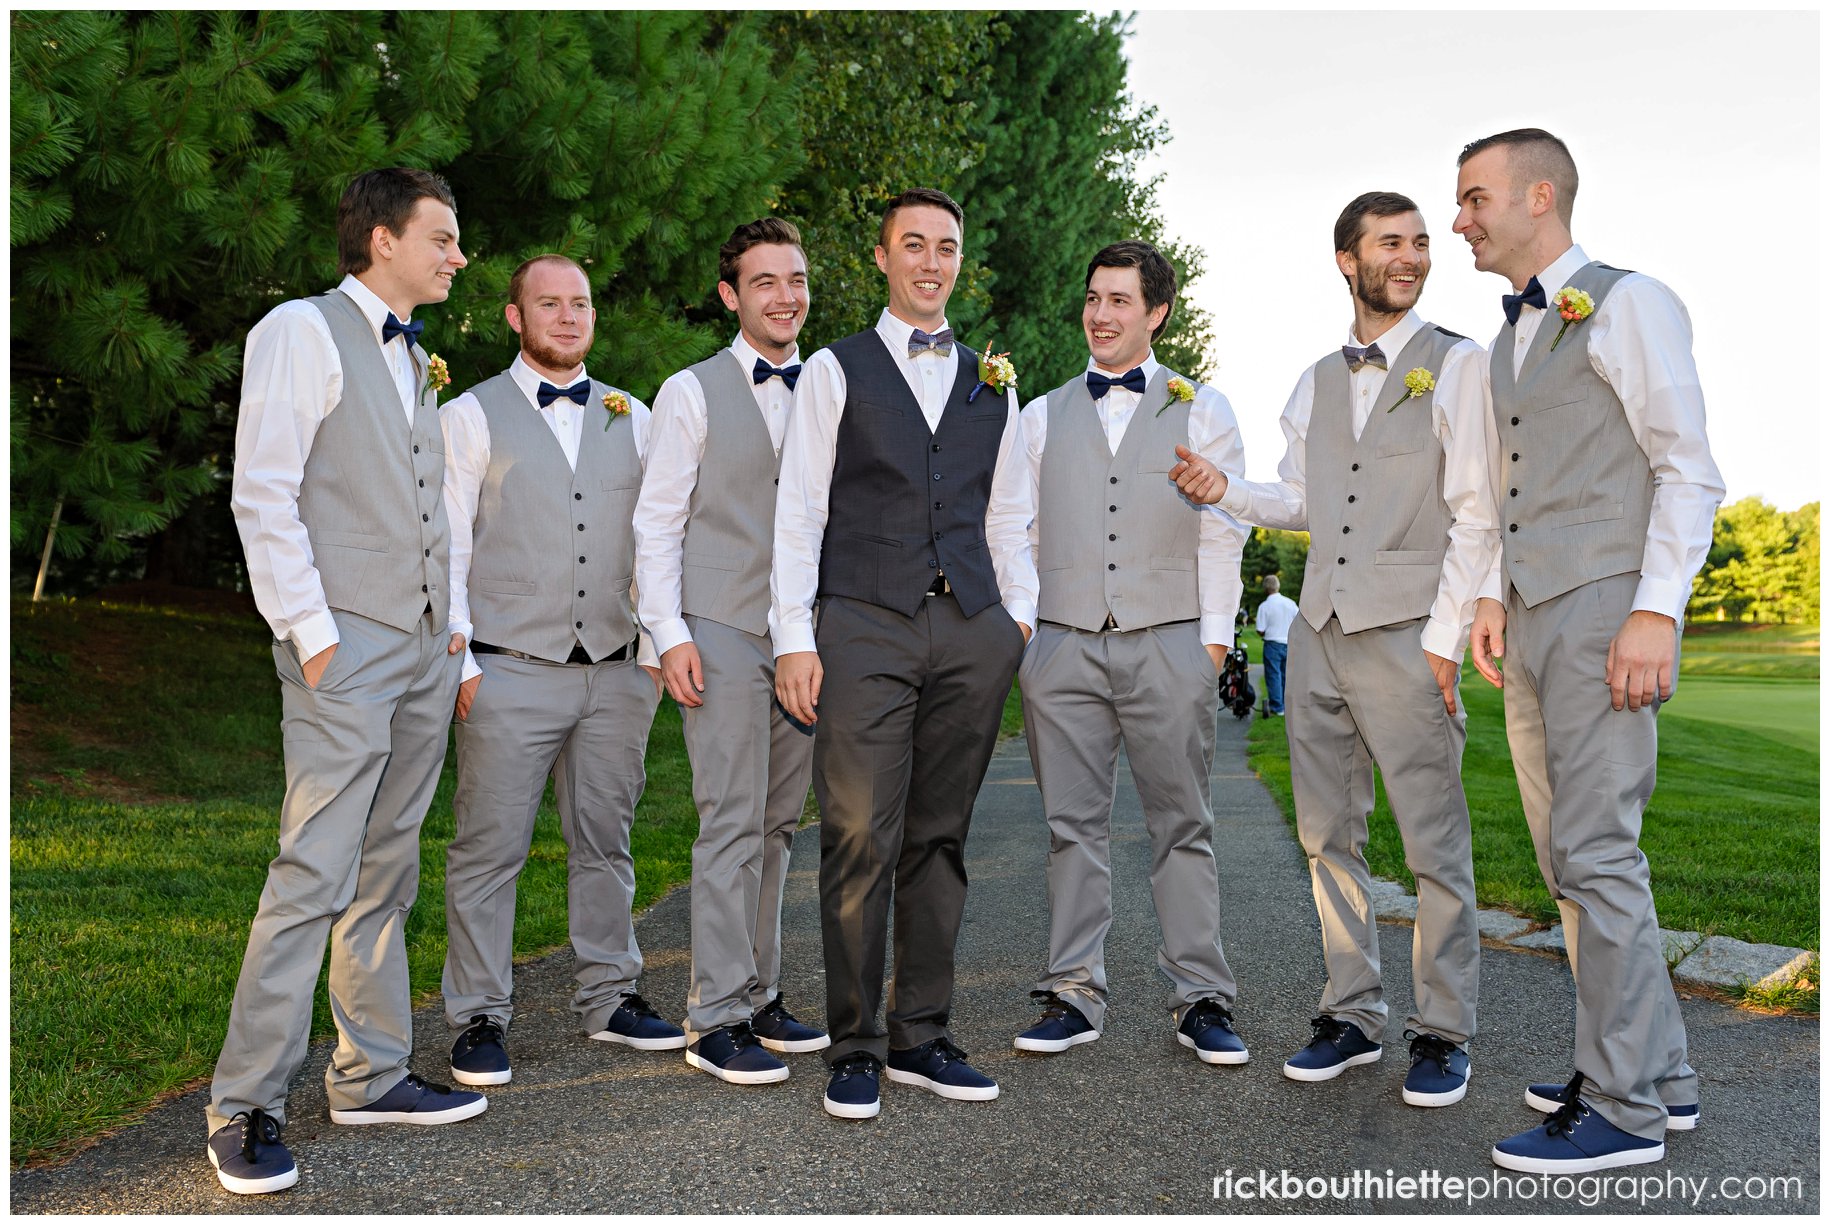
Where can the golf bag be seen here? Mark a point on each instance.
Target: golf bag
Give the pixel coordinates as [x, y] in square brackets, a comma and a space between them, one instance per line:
[1236, 692]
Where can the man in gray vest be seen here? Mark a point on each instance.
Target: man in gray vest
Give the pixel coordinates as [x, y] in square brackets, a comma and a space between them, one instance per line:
[543, 466]
[1387, 470]
[904, 505]
[337, 468]
[1138, 591]
[704, 528]
[1608, 493]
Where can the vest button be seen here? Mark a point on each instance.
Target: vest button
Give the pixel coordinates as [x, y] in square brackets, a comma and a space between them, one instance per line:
[937, 476]
[581, 561]
[1515, 457]
[1111, 566]
[1112, 537]
[578, 625]
[937, 535]
[1345, 529]
[1351, 498]
[425, 518]
[581, 527]
[422, 586]
[778, 480]
[937, 446]
[428, 552]
[1356, 467]
[581, 595]
[578, 497]
[1113, 479]
[1515, 493]
[932, 564]
[1112, 508]
[416, 448]
[422, 484]
[937, 506]
[1340, 561]
[1515, 420]
[1513, 527]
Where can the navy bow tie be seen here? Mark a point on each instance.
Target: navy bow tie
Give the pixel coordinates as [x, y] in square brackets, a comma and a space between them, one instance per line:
[578, 393]
[393, 327]
[1513, 302]
[1099, 384]
[920, 342]
[1371, 355]
[787, 374]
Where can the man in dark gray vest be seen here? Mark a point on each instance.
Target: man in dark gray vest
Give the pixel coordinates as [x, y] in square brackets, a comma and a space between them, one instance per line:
[704, 528]
[1608, 492]
[338, 462]
[1387, 470]
[904, 508]
[1138, 591]
[542, 470]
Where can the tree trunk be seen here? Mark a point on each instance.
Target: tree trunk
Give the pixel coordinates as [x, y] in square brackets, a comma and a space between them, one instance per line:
[44, 561]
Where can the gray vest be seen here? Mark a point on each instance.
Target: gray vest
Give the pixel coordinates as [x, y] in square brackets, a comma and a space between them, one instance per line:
[1378, 527]
[371, 497]
[730, 520]
[555, 548]
[1114, 534]
[1575, 490]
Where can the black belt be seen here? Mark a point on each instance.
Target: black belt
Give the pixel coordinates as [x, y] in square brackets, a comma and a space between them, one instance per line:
[578, 656]
[940, 586]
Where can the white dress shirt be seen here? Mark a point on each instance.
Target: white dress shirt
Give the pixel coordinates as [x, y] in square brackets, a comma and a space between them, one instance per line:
[1275, 615]
[676, 448]
[467, 462]
[1464, 425]
[807, 459]
[1214, 434]
[291, 380]
[1639, 341]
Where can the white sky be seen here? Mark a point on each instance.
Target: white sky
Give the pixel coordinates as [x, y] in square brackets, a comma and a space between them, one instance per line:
[1696, 136]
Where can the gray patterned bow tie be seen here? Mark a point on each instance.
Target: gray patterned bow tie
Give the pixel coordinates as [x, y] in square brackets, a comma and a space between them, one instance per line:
[1369, 356]
[920, 342]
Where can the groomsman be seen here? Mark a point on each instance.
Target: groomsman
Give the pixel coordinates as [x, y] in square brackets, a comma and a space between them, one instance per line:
[704, 528]
[1609, 497]
[543, 466]
[1138, 591]
[1386, 469]
[335, 491]
[904, 505]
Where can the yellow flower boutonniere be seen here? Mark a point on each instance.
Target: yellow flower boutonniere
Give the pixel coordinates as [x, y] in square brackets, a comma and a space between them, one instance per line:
[1574, 306]
[996, 372]
[618, 405]
[1416, 383]
[1181, 391]
[438, 376]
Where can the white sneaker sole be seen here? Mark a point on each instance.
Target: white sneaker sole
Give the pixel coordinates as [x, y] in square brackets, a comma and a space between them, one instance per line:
[419, 1118]
[767, 1077]
[1315, 1075]
[1447, 1098]
[850, 1110]
[1226, 1057]
[482, 1078]
[951, 1092]
[795, 1048]
[252, 1186]
[1043, 1046]
[1550, 1105]
[642, 1044]
[1585, 1165]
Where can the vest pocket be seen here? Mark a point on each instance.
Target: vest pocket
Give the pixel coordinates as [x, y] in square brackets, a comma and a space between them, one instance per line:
[611, 483]
[1535, 409]
[1408, 557]
[882, 540]
[711, 561]
[350, 540]
[498, 586]
[1597, 513]
[1390, 450]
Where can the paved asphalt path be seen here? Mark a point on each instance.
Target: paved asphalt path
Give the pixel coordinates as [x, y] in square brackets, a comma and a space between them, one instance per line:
[1131, 1123]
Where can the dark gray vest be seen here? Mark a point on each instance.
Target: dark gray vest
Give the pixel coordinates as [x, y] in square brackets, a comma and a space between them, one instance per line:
[1575, 495]
[370, 497]
[906, 502]
[730, 519]
[555, 547]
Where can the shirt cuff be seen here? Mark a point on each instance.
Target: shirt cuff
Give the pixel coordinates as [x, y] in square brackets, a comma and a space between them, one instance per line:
[1023, 613]
[1233, 501]
[471, 667]
[466, 628]
[1661, 595]
[645, 655]
[315, 634]
[1216, 631]
[1444, 640]
[669, 634]
[792, 638]
[1493, 589]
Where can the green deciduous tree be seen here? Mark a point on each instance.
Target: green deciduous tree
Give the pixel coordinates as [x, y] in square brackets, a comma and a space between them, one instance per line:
[1763, 565]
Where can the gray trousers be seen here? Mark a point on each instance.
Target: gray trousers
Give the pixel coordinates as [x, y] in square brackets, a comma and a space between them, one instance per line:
[751, 768]
[1153, 690]
[909, 714]
[1356, 700]
[363, 753]
[586, 725]
[1586, 772]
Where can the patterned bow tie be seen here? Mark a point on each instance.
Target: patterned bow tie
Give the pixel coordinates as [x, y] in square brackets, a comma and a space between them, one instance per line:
[1514, 302]
[920, 342]
[787, 374]
[1371, 355]
[393, 327]
[578, 393]
[1099, 384]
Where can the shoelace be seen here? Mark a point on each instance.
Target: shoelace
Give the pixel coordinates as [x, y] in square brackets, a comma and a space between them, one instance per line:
[1054, 1008]
[1212, 1012]
[1327, 1029]
[258, 1127]
[1564, 1119]
[947, 1051]
[428, 1085]
[851, 1065]
[1432, 1047]
[743, 1036]
[482, 1031]
[776, 1007]
[639, 1006]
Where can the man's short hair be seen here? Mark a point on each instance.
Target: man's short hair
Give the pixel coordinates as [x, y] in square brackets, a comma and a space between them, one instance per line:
[1270, 580]
[1533, 155]
[764, 230]
[1155, 273]
[385, 198]
[1350, 227]
[917, 197]
[518, 281]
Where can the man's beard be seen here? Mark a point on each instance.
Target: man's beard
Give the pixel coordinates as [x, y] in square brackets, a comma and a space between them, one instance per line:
[552, 358]
[1378, 297]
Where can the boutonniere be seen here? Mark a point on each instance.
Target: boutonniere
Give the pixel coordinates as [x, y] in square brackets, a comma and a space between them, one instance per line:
[617, 405]
[1574, 306]
[1416, 383]
[995, 372]
[1181, 391]
[438, 376]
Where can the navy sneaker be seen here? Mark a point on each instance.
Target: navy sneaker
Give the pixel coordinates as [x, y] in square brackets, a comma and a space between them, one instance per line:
[1575, 1140]
[1337, 1046]
[851, 1093]
[1439, 1071]
[636, 1024]
[248, 1155]
[1062, 1026]
[1549, 1098]
[1207, 1029]
[941, 1068]
[478, 1056]
[780, 1031]
[734, 1055]
[416, 1101]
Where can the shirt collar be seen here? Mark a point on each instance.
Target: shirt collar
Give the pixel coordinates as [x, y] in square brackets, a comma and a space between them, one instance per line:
[373, 308]
[895, 332]
[1148, 366]
[1392, 341]
[747, 356]
[1561, 270]
[529, 379]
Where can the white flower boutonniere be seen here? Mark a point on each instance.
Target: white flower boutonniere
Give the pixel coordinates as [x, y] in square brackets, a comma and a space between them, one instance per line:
[995, 372]
[1416, 383]
[1180, 392]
